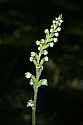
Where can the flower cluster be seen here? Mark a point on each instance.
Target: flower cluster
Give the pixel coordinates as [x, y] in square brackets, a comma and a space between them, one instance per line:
[37, 58]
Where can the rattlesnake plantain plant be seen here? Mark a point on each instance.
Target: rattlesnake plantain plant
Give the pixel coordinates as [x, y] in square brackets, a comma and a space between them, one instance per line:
[39, 58]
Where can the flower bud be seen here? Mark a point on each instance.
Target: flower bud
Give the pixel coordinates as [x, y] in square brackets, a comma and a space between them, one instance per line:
[51, 30]
[55, 40]
[28, 75]
[51, 44]
[42, 40]
[39, 48]
[54, 21]
[31, 82]
[30, 103]
[58, 29]
[45, 52]
[31, 59]
[37, 42]
[61, 21]
[56, 34]
[46, 31]
[44, 82]
[46, 58]
[32, 54]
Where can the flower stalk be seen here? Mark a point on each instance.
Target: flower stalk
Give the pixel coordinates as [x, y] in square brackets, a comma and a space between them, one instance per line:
[39, 58]
[34, 106]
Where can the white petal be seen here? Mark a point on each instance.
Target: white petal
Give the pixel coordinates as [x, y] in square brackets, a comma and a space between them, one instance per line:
[58, 29]
[32, 54]
[51, 30]
[51, 44]
[55, 40]
[42, 40]
[46, 58]
[39, 48]
[37, 42]
[44, 82]
[56, 34]
[46, 30]
[28, 74]
[31, 59]
[30, 103]
[45, 52]
[61, 21]
[54, 21]
[31, 82]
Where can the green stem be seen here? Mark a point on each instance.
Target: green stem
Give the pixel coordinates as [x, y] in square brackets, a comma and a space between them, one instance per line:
[34, 107]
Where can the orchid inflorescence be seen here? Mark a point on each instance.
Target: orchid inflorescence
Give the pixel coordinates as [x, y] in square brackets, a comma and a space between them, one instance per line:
[39, 58]
[49, 41]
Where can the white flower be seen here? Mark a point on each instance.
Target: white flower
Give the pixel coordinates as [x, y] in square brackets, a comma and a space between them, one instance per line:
[46, 58]
[51, 44]
[51, 30]
[45, 52]
[58, 29]
[32, 54]
[57, 22]
[31, 82]
[46, 31]
[30, 103]
[59, 18]
[31, 59]
[54, 21]
[44, 82]
[56, 34]
[51, 26]
[41, 67]
[37, 42]
[42, 40]
[55, 40]
[39, 48]
[28, 75]
[56, 18]
[61, 21]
